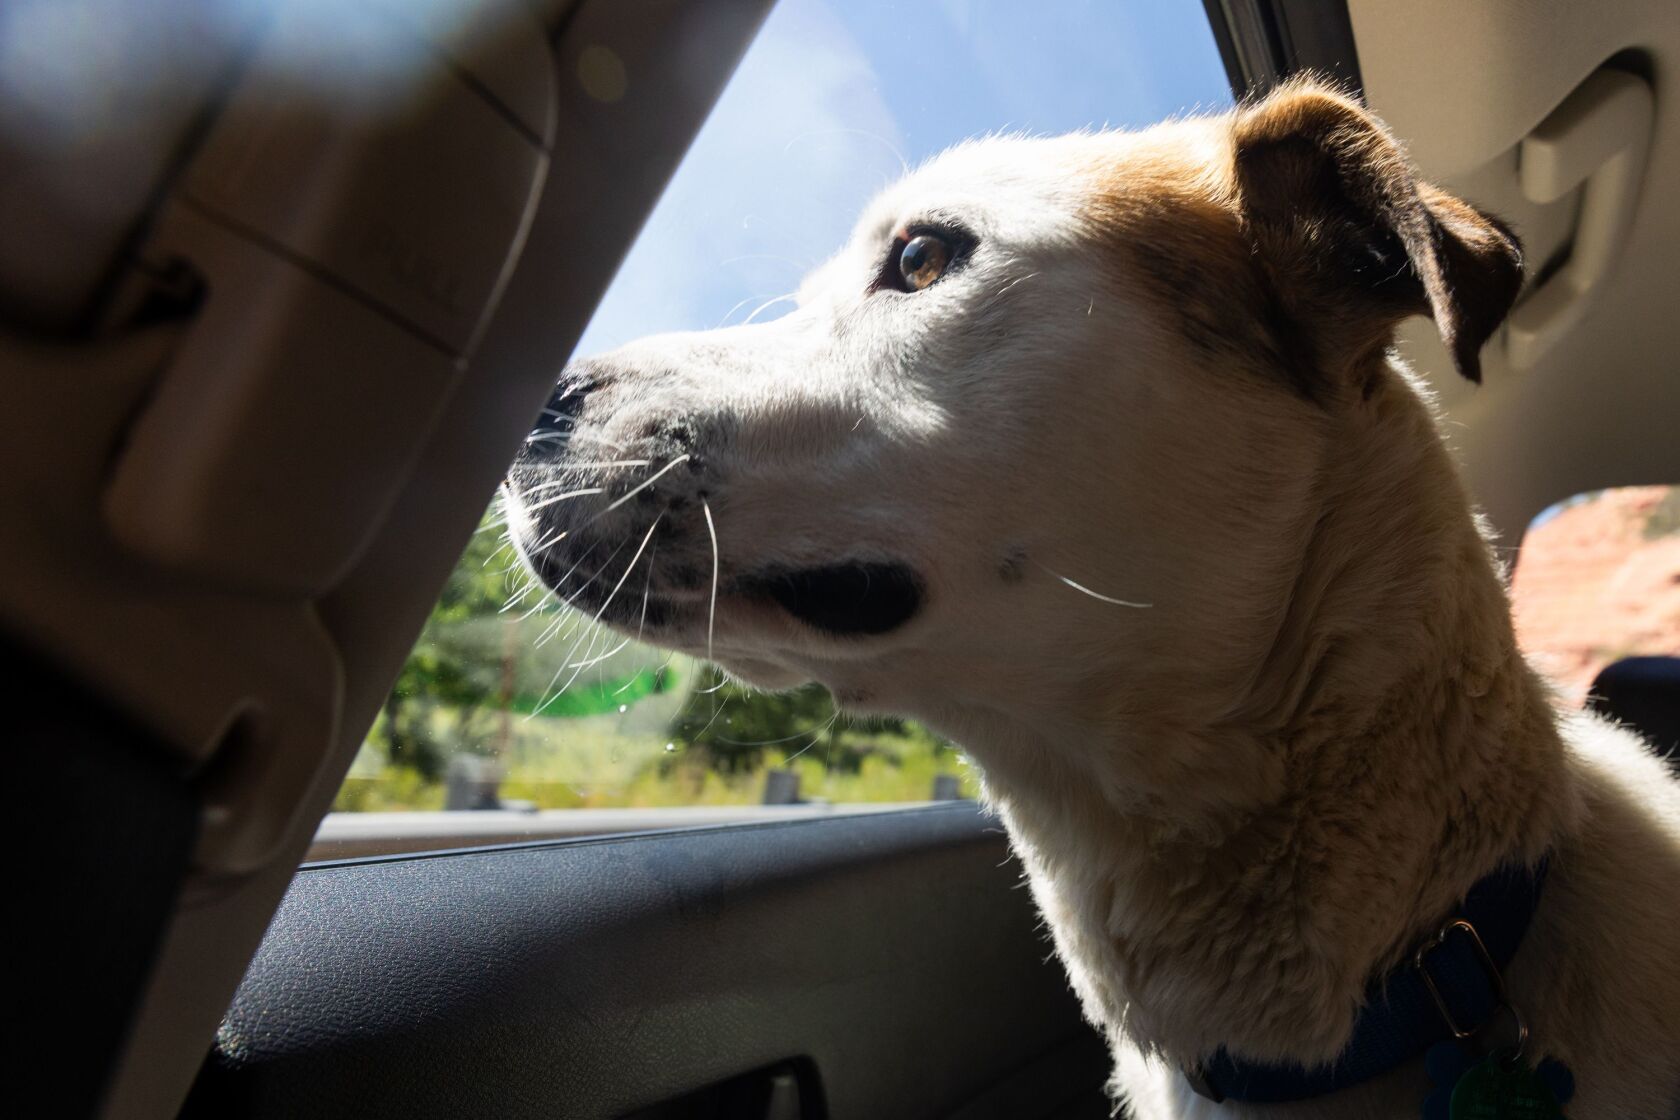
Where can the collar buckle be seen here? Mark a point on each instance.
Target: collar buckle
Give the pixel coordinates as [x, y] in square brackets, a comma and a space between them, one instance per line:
[1496, 981]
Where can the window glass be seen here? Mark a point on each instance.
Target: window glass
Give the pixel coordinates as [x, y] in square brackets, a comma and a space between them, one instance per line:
[1598, 579]
[508, 699]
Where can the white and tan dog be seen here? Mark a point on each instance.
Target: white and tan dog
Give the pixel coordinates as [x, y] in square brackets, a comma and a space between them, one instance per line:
[1090, 453]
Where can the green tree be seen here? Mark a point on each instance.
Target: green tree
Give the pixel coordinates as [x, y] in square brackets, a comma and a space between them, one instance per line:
[732, 726]
[444, 673]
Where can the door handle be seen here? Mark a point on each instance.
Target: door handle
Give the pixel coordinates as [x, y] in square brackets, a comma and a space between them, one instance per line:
[790, 1091]
[1599, 136]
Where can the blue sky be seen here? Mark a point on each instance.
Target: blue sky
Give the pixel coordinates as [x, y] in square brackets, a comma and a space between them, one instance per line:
[835, 97]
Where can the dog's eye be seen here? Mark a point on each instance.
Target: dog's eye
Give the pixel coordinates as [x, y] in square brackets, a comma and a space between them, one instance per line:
[923, 260]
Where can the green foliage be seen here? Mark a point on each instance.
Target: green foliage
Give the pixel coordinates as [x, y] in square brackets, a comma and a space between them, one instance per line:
[732, 725]
[397, 787]
[568, 764]
[592, 698]
[735, 728]
[442, 671]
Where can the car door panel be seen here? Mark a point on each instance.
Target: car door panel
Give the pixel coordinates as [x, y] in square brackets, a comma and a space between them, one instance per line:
[598, 978]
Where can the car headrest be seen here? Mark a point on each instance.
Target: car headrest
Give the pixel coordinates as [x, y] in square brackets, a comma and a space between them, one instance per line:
[1644, 694]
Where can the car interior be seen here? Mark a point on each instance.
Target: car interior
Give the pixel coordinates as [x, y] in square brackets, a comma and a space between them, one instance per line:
[270, 336]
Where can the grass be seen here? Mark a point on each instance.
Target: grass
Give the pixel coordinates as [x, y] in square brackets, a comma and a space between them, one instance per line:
[624, 759]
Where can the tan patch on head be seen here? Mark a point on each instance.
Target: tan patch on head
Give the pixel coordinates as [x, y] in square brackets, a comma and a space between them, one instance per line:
[1170, 213]
[1294, 235]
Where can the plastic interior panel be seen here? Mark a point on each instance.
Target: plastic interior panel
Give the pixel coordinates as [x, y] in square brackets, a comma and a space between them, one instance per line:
[73, 776]
[598, 978]
[1462, 85]
[610, 161]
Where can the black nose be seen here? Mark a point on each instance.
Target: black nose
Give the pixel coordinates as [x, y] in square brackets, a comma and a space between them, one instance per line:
[553, 428]
[575, 384]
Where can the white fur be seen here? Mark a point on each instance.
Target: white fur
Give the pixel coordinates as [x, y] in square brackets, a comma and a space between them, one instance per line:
[1233, 805]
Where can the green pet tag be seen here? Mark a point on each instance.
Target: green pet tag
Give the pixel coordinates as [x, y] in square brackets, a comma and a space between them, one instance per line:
[1491, 1090]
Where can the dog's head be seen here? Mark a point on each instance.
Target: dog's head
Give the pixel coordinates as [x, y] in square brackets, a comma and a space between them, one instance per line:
[1058, 402]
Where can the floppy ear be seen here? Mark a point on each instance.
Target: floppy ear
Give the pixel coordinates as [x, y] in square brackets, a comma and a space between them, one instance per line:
[1355, 241]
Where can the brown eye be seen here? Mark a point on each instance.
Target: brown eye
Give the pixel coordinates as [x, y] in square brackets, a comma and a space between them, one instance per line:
[923, 260]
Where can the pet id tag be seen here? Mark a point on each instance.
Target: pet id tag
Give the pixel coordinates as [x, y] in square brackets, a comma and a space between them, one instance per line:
[1450, 1066]
[1493, 1090]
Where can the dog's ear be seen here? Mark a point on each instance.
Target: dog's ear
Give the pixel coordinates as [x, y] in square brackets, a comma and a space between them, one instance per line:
[1355, 242]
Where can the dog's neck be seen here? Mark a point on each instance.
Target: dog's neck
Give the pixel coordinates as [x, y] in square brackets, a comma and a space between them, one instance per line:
[1237, 880]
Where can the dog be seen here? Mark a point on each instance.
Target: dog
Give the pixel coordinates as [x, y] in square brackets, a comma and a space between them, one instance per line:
[1091, 453]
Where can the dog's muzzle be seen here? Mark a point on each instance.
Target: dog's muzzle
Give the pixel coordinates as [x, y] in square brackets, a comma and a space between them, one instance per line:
[581, 523]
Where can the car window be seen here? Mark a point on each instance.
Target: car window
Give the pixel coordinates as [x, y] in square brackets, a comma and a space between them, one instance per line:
[1597, 580]
[515, 706]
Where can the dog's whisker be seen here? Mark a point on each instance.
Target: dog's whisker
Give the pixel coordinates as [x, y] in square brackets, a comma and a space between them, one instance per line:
[593, 634]
[571, 600]
[546, 598]
[497, 552]
[816, 734]
[566, 497]
[784, 739]
[711, 613]
[608, 464]
[578, 627]
[590, 437]
[718, 706]
[549, 631]
[815, 739]
[546, 542]
[770, 743]
[797, 266]
[584, 555]
[740, 303]
[663, 665]
[607, 602]
[522, 493]
[549, 435]
[556, 484]
[788, 298]
[647, 587]
[596, 660]
[645, 483]
[516, 599]
[554, 628]
[1083, 590]
[903, 164]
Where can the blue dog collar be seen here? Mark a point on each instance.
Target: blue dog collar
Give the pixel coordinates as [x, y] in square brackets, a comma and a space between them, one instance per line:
[1451, 986]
